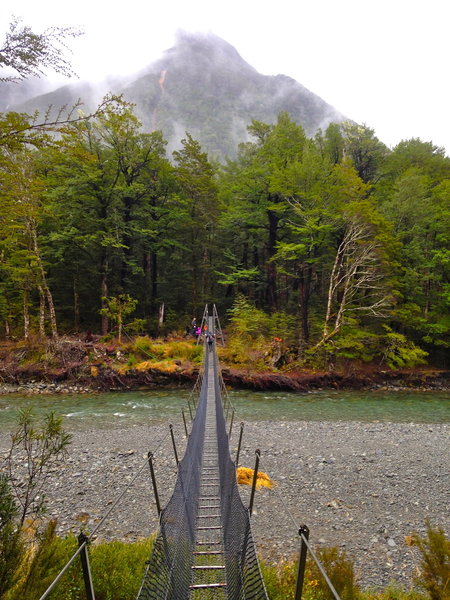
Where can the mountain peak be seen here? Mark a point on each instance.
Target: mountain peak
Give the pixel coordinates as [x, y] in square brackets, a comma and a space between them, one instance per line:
[205, 43]
[203, 86]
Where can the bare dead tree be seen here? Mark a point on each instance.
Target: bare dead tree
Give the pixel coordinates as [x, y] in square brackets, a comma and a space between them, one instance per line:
[356, 279]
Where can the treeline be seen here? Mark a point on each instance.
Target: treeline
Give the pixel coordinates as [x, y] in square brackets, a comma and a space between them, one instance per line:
[342, 243]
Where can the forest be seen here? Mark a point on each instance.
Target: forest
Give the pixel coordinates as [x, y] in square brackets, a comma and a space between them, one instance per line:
[336, 245]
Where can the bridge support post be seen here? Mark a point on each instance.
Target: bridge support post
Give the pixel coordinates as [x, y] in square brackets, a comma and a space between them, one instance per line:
[184, 421]
[231, 424]
[239, 444]
[152, 475]
[88, 585]
[255, 477]
[303, 532]
[173, 444]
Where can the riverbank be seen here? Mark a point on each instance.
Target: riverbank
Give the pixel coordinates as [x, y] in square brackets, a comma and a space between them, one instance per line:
[70, 365]
[363, 487]
[107, 379]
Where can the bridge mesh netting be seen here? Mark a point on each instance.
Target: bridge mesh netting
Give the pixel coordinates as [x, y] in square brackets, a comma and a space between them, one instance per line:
[204, 547]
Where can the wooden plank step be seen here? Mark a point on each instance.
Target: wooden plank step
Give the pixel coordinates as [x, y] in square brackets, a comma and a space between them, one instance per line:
[207, 552]
[205, 527]
[202, 586]
[208, 516]
[208, 567]
[208, 543]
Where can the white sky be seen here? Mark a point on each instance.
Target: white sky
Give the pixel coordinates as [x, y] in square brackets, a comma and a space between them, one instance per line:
[384, 63]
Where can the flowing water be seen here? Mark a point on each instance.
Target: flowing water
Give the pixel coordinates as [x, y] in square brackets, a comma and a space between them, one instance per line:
[116, 409]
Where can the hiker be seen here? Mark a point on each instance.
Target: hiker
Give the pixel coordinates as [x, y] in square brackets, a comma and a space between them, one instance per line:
[210, 339]
[194, 326]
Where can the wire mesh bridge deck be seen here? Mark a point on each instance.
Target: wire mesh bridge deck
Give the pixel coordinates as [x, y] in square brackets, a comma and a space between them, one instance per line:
[204, 548]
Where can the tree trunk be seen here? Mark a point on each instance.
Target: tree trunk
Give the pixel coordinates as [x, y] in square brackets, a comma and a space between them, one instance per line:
[43, 282]
[104, 294]
[41, 312]
[26, 315]
[272, 299]
[154, 276]
[76, 305]
[304, 296]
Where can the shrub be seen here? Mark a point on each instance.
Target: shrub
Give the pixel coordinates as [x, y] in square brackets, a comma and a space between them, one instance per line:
[118, 568]
[46, 556]
[12, 548]
[340, 571]
[252, 333]
[279, 579]
[435, 564]
[400, 352]
[156, 350]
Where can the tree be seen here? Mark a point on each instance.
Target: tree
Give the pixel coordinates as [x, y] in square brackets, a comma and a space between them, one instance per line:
[117, 309]
[21, 213]
[198, 188]
[113, 203]
[365, 150]
[28, 54]
[414, 195]
[356, 278]
[259, 189]
[40, 450]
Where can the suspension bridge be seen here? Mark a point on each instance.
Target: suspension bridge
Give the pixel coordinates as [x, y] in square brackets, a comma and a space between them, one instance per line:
[204, 548]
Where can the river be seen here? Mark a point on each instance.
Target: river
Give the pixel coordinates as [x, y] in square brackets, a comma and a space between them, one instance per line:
[118, 409]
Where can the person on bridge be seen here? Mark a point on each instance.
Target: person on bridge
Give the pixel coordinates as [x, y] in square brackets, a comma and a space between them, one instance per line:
[210, 340]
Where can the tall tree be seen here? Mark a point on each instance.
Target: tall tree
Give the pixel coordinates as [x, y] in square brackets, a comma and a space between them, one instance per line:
[196, 179]
[21, 214]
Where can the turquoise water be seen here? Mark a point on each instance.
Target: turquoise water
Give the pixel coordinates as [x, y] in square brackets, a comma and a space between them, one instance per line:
[128, 408]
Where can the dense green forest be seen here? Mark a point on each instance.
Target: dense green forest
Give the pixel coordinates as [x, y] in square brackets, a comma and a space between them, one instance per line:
[336, 244]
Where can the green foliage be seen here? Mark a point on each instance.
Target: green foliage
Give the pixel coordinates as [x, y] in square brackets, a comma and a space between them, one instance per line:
[435, 563]
[118, 568]
[400, 352]
[279, 579]
[118, 307]
[12, 547]
[257, 337]
[149, 349]
[392, 592]
[356, 344]
[246, 320]
[326, 238]
[340, 571]
[351, 345]
[47, 557]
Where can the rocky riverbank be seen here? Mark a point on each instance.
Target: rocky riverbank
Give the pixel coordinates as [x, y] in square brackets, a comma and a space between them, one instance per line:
[363, 487]
[107, 379]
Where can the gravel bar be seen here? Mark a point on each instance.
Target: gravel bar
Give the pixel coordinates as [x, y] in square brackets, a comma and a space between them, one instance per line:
[363, 487]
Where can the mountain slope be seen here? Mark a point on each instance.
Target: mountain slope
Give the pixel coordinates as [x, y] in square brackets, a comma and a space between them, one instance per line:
[202, 85]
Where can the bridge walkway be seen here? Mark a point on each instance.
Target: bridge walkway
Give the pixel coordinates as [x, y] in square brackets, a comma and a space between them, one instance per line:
[209, 564]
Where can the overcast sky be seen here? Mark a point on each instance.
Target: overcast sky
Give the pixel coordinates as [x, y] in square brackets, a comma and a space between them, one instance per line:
[384, 63]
